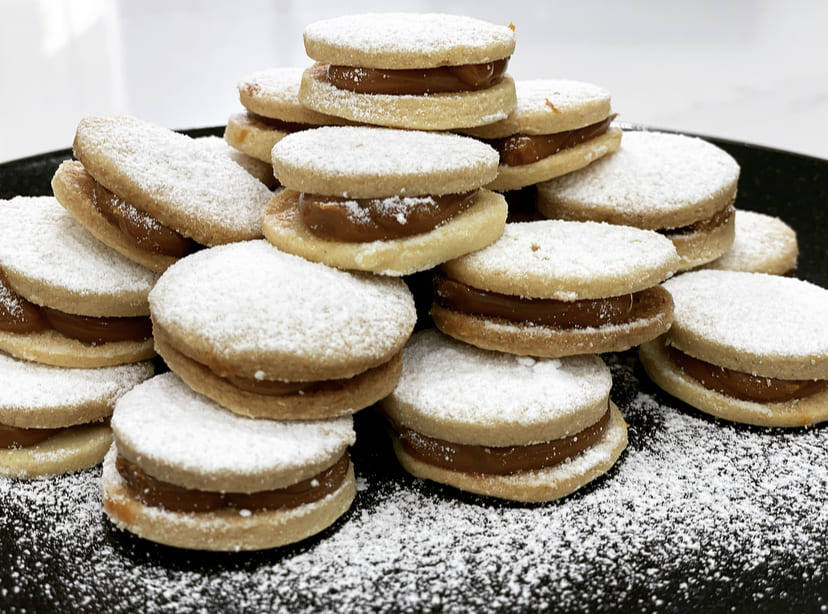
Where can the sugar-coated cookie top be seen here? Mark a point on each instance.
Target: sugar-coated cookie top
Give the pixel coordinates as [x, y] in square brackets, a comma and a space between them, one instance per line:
[653, 180]
[164, 425]
[449, 388]
[407, 40]
[367, 162]
[63, 266]
[30, 388]
[763, 324]
[548, 106]
[763, 244]
[186, 185]
[567, 261]
[250, 303]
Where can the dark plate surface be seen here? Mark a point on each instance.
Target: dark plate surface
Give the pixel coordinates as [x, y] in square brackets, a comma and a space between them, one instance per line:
[697, 514]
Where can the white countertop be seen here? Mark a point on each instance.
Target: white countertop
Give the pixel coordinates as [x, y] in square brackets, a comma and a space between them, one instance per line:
[754, 71]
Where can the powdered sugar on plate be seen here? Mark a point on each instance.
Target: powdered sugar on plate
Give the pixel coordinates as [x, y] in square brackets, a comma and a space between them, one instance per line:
[696, 515]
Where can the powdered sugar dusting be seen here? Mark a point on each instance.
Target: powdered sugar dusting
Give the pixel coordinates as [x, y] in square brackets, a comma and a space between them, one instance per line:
[455, 381]
[556, 95]
[695, 515]
[165, 421]
[760, 240]
[278, 84]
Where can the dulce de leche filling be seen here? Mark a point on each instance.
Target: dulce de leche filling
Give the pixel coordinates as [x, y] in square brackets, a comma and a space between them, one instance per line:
[279, 124]
[15, 437]
[742, 385]
[379, 219]
[520, 149]
[498, 460]
[720, 218]
[17, 315]
[585, 313]
[153, 492]
[416, 81]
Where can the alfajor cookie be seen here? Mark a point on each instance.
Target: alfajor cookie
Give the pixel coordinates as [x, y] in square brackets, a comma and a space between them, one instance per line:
[67, 299]
[271, 335]
[556, 288]
[263, 171]
[185, 472]
[155, 195]
[762, 244]
[55, 420]
[557, 127]
[404, 70]
[746, 347]
[387, 201]
[505, 426]
[680, 186]
[273, 110]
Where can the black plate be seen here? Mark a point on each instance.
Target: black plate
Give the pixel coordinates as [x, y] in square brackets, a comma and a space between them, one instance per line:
[697, 514]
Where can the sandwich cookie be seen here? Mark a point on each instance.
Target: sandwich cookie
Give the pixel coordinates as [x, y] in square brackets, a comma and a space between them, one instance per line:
[557, 127]
[263, 171]
[763, 244]
[387, 201]
[555, 288]
[505, 426]
[186, 472]
[746, 347]
[273, 110]
[66, 299]
[155, 195]
[419, 71]
[680, 186]
[55, 420]
[271, 335]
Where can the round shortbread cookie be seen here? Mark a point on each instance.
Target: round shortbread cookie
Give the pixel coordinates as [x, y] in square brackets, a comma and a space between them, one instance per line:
[473, 229]
[49, 347]
[260, 169]
[368, 162]
[444, 111]
[671, 378]
[454, 391]
[178, 180]
[73, 188]
[52, 260]
[181, 437]
[760, 324]
[541, 485]
[567, 261]
[274, 93]
[548, 106]
[698, 247]
[222, 530]
[653, 180]
[561, 163]
[249, 310]
[252, 136]
[407, 40]
[762, 244]
[71, 450]
[40, 396]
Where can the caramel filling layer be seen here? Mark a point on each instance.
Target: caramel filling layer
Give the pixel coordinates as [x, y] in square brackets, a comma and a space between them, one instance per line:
[14, 437]
[378, 219]
[278, 124]
[520, 149]
[742, 385]
[17, 315]
[140, 228]
[718, 219]
[585, 313]
[156, 493]
[418, 81]
[498, 460]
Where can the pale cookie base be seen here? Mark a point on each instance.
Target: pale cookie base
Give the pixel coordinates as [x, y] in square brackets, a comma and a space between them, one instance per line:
[561, 163]
[532, 486]
[222, 530]
[252, 137]
[697, 248]
[51, 348]
[358, 392]
[73, 187]
[473, 229]
[74, 449]
[672, 379]
[435, 112]
[546, 341]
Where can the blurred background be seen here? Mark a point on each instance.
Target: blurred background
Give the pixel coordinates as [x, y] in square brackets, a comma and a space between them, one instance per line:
[753, 71]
